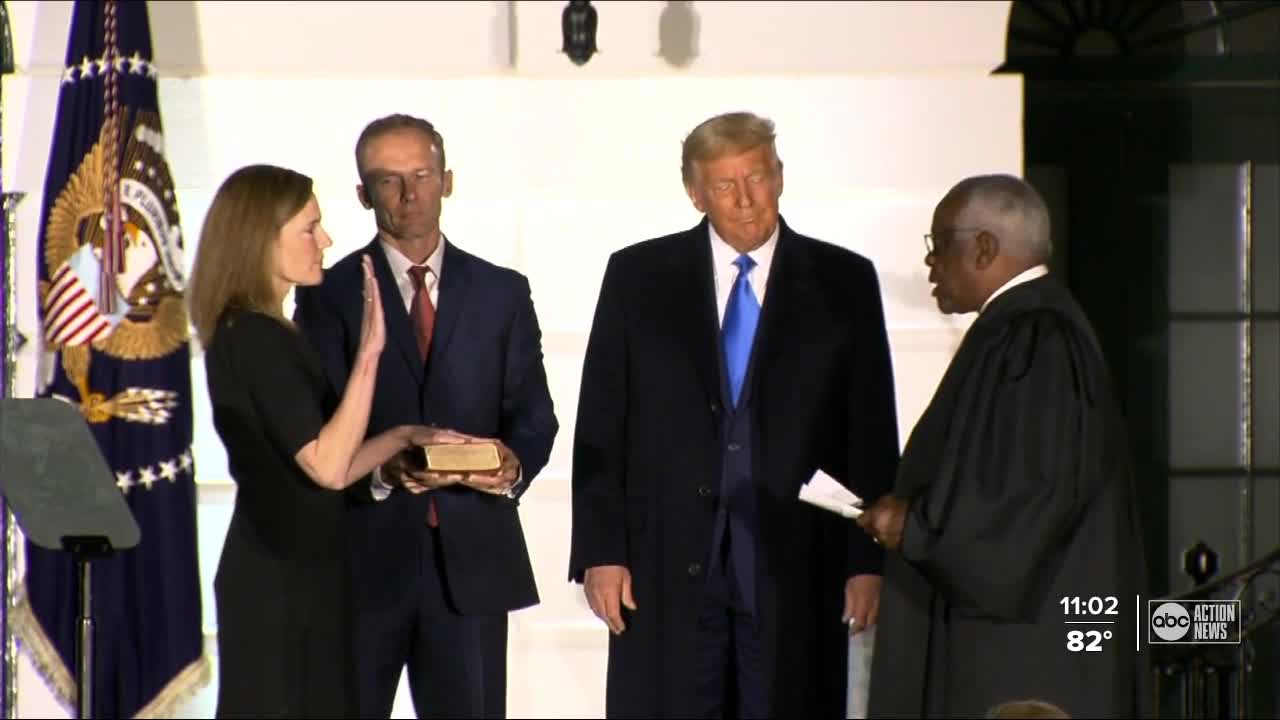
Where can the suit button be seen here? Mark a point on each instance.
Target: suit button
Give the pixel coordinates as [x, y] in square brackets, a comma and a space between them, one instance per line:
[704, 491]
[695, 568]
[715, 407]
[734, 447]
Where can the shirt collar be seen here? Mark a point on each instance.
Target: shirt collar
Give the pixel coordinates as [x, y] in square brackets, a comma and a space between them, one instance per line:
[1027, 275]
[400, 264]
[723, 254]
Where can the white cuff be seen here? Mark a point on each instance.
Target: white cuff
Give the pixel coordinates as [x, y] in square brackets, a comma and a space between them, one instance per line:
[379, 489]
[511, 491]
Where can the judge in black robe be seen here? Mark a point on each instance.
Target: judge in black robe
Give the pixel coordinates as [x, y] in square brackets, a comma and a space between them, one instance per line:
[1014, 493]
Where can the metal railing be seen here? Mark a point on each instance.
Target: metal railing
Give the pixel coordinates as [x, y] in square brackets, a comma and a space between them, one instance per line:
[1214, 681]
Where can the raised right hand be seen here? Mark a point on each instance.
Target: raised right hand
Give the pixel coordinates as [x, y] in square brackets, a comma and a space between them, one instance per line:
[608, 590]
[373, 327]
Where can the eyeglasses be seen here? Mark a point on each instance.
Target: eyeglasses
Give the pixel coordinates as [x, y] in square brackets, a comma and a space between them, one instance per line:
[931, 239]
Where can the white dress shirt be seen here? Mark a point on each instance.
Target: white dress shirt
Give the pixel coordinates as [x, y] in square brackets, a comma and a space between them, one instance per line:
[1027, 275]
[400, 271]
[726, 273]
[400, 265]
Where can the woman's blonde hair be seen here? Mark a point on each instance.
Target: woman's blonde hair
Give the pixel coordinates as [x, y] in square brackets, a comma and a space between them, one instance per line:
[234, 263]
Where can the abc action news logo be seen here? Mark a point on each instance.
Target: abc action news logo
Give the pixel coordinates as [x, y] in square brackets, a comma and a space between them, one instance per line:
[1193, 622]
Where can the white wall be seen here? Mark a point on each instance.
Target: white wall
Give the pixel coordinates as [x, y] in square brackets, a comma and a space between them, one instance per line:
[880, 107]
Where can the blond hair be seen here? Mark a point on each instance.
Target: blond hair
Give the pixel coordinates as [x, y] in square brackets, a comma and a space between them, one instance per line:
[234, 263]
[733, 132]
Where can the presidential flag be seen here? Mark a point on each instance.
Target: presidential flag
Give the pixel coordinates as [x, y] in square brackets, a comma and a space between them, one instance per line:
[115, 335]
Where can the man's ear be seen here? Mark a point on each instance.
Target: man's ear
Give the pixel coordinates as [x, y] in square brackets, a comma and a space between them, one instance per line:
[986, 249]
[693, 197]
[363, 196]
[446, 186]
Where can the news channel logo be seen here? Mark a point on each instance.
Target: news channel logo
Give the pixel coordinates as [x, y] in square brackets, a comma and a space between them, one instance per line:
[1193, 622]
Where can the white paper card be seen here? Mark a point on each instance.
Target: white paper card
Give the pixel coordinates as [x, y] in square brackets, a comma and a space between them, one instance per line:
[823, 491]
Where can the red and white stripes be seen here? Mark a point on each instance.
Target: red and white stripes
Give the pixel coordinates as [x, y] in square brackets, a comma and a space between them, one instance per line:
[71, 316]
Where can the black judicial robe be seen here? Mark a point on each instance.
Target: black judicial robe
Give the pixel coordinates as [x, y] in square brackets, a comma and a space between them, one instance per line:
[1021, 494]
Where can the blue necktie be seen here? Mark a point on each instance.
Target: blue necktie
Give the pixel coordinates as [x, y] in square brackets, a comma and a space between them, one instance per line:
[740, 318]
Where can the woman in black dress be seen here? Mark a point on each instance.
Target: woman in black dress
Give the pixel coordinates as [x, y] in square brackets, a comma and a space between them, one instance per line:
[293, 445]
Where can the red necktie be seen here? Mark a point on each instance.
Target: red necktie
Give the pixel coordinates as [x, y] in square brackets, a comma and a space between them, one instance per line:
[422, 315]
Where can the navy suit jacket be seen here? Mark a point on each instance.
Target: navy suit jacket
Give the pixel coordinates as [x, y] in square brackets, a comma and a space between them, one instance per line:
[484, 376]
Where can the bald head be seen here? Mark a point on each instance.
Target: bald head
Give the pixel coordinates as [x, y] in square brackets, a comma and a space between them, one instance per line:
[1011, 209]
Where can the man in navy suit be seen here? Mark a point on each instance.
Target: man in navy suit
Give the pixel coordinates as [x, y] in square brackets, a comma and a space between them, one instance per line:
[726, 364]
[438, 561]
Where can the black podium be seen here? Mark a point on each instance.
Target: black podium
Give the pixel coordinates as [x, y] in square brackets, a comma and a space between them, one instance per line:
[64, 497]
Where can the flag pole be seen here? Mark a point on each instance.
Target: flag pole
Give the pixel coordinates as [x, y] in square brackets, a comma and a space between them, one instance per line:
[13, 341]
[10, 342]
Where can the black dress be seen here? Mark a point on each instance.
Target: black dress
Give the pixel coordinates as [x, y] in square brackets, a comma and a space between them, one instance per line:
[282, 586]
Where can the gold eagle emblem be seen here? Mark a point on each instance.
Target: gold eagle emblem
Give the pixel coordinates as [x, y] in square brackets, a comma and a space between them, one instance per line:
[155, 323]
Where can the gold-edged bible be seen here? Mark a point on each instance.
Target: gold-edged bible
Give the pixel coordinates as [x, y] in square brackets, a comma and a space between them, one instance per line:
[471, 457]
